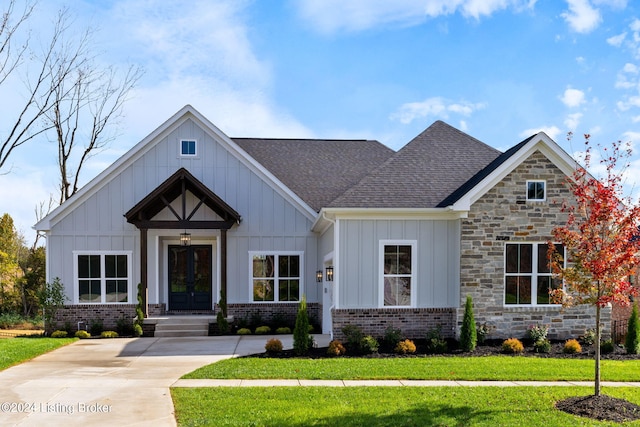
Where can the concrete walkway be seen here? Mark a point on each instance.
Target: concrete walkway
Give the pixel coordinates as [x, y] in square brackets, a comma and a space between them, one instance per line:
[116, 382]
[125, 382]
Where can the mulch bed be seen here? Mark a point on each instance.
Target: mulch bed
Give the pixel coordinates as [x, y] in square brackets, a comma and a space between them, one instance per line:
[602, 408]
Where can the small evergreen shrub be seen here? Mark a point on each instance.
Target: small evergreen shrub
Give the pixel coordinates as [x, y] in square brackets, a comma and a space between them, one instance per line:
[244, 331]
[468, 333]
[572, 347]
[137, 330]
[353, 335]
[537, 332]
[273, 346]
[59, 334]
[124, 326]
[369, 345]
[96, 327]
[222, 323]
[283, 330]
[336, 348]
[302, 339]
[542, 346]
[632, 340]
[82, 334]
[263, 330]
[109, 334]
[607, 347]
[512, 346]
[405, 347]
[435, 342]
[392, 336]
[589, 337]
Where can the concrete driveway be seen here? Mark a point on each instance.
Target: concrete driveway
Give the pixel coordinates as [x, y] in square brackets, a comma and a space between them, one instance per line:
[111, 382]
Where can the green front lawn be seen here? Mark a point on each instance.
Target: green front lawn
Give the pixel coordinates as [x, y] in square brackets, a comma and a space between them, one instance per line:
[17, 350]
[383, 406]
[428, 368]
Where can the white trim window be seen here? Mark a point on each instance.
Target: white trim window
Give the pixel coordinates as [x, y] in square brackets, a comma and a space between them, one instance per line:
[102, 277]
[528, 279]
[397, 273]
[536, 190]
[276, 276]
[188, 147]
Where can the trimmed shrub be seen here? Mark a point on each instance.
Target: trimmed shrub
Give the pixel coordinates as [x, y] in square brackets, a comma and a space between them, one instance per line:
[283, 330]
[59, 334]
[468, 333]
[244, 331]
[369, 345]
[263, 330]
[137, 330]
[96, 327]
[607, 347]
[572, 347]
[336, 348]
[302, 340]
[273, 346]
[632, 340]
[542, 346]
[82, 334]
[435, 342]
[512, 346]
[405, 347]
[353, 336]
[109, 334]
[392, 336]
[124, 326]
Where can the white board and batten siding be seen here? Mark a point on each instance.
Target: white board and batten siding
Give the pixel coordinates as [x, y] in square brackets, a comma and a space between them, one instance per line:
[270, 220]
[437, 243]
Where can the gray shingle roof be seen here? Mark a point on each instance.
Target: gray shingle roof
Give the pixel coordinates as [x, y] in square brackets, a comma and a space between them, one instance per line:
[317, 170]
[423, 173]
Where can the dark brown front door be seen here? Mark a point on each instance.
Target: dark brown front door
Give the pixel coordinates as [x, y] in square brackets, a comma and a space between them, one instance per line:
[190, 277]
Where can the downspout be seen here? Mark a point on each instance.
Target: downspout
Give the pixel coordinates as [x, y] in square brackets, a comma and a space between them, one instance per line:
[335, 257]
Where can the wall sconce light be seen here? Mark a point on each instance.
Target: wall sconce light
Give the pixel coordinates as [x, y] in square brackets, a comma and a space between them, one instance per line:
[319, 276]
[185, 239]
[329, 274]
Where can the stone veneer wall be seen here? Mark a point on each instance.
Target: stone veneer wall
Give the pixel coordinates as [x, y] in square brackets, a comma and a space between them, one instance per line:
[108, 313]
[504, 214]
[413, 322]
[289, 311]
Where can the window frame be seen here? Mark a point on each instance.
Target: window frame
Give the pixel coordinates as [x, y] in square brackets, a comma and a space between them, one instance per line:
[544, 190]
[195, 148]
[103, 278]
[276, 275]
[413, 275]
[534, 274]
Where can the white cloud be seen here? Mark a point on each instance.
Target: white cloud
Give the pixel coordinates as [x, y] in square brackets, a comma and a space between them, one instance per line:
[582, 17]
[572, 121]
[552, 131]
[572, 97]
[434, 107]
[330, 16]
[628, 103]
[617, 40]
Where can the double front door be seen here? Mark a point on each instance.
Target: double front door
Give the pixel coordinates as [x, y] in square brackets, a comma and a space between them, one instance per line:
[190, 277]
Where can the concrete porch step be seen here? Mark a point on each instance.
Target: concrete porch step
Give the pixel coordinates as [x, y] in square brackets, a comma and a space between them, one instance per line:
[181, 326]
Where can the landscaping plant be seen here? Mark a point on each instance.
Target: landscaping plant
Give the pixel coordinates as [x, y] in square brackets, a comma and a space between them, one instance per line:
[512, 346]
[301, 338]
[468, 333]
[405, 347]
[336, 348]
[632, 340]
[273, 346]
[600, 239]
[572, 347]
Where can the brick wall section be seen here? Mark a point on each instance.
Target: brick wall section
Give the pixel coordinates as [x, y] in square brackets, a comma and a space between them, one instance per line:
[413, 322]
[108, 313]
[503, 213]
[266, 311]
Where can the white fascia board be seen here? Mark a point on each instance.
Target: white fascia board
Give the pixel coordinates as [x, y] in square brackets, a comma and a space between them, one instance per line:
[332, 214]
[137, 151]
[541, 142]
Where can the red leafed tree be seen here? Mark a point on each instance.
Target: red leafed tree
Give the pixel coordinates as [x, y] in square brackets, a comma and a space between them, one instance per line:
[601, 239]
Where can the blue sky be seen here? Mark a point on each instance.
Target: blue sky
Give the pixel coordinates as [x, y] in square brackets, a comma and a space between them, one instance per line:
[499, 70]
